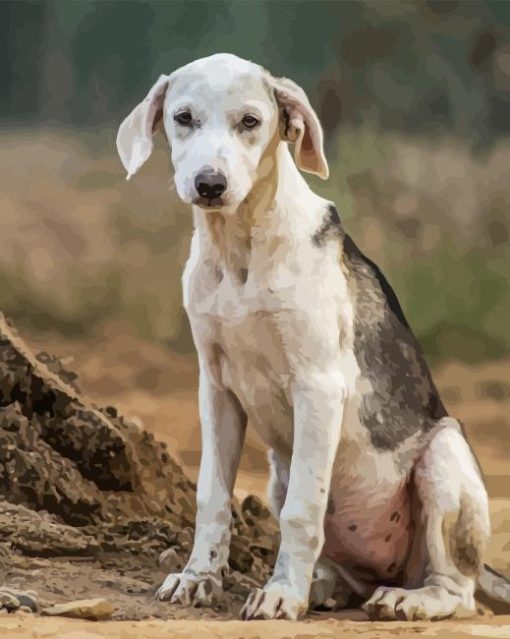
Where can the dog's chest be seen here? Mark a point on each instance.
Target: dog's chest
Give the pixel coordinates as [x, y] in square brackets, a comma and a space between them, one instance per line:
[253, 356]
[264, 332]
[254, 364]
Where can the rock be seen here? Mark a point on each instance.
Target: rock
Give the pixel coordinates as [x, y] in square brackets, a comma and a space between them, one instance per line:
[93, 609]
[24, 598]
[264, 542]
[186, 537]
[171, 560]
[239, 584]
[38, 535]
[24, 610]
[8, 601]
[241, 558]
[253, 506]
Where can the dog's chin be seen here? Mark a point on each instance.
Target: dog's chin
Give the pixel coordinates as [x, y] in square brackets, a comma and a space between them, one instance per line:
[214, 204]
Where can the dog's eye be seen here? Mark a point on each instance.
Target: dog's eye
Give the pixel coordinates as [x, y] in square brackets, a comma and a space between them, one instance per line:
[250, 122]
[183, 118]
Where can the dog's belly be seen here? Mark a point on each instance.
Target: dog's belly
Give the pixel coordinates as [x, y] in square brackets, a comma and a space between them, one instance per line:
[368, 525]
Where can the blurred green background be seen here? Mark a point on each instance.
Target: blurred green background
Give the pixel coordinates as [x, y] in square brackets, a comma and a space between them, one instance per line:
[414, 98]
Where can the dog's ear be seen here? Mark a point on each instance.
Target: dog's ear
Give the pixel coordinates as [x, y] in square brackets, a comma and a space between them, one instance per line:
[301, 125]
[134, 139]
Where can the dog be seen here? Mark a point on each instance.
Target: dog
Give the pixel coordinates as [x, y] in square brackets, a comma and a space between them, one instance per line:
[377, 492]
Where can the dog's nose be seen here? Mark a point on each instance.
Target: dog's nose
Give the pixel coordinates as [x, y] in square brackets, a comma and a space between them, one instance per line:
[210, 184]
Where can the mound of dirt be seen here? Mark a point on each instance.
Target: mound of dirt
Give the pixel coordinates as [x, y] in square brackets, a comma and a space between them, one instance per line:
[89, 502]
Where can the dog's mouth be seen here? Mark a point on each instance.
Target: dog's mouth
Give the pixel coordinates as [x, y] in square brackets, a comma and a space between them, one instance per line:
[209, 203]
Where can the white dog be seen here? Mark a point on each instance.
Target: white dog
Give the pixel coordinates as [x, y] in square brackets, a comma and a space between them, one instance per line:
[376, 489]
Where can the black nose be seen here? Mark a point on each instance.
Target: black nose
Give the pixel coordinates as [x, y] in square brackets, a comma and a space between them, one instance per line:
[210, 184]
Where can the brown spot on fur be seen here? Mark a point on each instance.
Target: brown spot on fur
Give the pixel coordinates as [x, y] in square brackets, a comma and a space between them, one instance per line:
[395, 516]
[392, 567]
[352, 527]
[467, 558]
[462, 536]
[331, 507]
[387, 538]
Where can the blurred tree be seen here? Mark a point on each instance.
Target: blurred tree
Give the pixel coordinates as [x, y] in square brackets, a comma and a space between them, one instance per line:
[22, 29]
[411, 66]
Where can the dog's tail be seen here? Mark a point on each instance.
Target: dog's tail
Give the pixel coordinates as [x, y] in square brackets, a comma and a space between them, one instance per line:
[494, 590]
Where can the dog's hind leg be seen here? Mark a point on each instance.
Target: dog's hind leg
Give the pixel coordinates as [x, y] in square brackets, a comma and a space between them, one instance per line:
[454, 528]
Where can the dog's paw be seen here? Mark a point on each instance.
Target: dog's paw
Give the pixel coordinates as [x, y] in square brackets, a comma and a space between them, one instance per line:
[190, 589]
[430, 602]
[275, 601]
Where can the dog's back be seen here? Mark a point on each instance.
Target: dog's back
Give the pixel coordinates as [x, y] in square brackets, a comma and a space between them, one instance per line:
[404, 399]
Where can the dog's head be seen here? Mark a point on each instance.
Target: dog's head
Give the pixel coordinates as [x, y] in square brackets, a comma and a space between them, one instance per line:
[223, 117]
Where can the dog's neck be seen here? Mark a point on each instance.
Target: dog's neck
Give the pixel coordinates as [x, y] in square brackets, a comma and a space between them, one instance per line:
[279, 193]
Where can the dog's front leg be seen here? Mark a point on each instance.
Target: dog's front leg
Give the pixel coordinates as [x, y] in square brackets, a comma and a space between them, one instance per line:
[223, 424]
[318, 410]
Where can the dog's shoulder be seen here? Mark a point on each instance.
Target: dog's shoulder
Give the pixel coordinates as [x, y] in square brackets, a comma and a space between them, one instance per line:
[403, 399]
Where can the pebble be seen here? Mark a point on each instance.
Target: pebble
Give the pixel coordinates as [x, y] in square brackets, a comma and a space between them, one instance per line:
[93, 609]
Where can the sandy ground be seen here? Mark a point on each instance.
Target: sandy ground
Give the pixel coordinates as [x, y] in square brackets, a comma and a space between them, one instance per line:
[16, 628]
[147, 383]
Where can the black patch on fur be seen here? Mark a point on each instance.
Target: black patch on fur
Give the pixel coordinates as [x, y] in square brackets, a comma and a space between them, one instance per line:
[403, 400]
[388, 292]
[330, 228]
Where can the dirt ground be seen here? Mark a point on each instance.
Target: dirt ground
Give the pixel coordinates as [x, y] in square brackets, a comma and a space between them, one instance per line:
[158, 389]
